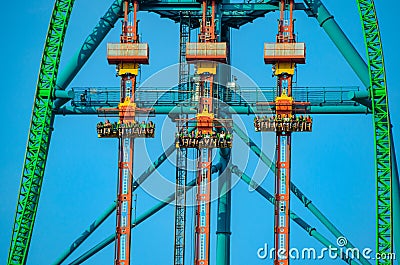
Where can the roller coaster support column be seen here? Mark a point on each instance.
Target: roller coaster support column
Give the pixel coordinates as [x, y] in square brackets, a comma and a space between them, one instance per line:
[335, 33]
[225, 177]
[224, 209]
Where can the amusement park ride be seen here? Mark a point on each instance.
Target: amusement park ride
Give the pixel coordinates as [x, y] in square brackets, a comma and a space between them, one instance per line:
[206, 124]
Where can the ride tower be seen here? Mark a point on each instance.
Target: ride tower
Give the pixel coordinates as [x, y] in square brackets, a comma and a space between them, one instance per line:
[127, 56]
[205, 130]
[284, 55]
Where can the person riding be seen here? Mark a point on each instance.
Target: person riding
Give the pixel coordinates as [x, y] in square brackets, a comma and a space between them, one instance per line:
[221, 138]
[301, 121]
[100, 128]
[228, 139]
[107, 127]
[278, 122]
[257, 123]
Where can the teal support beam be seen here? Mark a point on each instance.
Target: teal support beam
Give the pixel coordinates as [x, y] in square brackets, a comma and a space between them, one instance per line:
[113, 206]
[307, 203]
[299, 221]
[91, 43]
[321, 217]
[361, 97]
[86, 234]
[252, 145]
[224, 209]
[135, 223]
[64, 94]
[339, 38]
[223, 244]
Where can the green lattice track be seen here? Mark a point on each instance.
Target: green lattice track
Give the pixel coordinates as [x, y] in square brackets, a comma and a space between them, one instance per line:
[380, 110]
[42, 119]
[39, 135]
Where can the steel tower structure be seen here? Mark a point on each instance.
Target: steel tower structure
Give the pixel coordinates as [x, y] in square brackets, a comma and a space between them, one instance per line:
[51, 96]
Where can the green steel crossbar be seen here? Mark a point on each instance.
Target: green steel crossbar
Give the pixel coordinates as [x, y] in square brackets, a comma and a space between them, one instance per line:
[39, 135]
[381, 119]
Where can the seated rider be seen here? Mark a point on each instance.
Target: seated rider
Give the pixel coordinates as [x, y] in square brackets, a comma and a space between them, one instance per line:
[257, 123]
[228, 139]
[100, 128]
[221, 138]
[107, 127]
[142, 128]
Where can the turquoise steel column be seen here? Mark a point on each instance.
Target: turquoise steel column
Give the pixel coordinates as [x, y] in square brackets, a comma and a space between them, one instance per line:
[224, 175]
[224, 209]
[91, 43]
[339, 38]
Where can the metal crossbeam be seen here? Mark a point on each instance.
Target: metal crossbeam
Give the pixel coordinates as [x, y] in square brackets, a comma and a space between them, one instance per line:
[233, 15]
[245, 96]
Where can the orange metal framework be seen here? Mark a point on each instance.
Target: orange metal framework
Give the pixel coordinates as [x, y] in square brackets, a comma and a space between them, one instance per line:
[202, 230]
[283, 147]
[126, 147]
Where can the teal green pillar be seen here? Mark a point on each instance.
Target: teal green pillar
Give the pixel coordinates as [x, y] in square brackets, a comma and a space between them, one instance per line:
[223, 245]
[224, 209]
[341, 41]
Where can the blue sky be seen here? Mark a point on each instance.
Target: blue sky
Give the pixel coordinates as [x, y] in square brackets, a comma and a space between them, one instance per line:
[333, 165]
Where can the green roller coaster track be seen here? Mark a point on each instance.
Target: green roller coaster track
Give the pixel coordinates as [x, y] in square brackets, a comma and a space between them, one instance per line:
[380, 112]
[43, 117]
[39, 135]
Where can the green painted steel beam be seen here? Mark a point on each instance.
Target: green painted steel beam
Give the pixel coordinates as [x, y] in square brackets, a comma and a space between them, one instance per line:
[135, 223]
[299, 221]
[88, 47]
[339, 38]
[381, 121]
[93, 226]
[300, 195]
[39, 135]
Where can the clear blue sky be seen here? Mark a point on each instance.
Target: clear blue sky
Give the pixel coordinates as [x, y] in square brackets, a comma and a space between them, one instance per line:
[333, 165]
